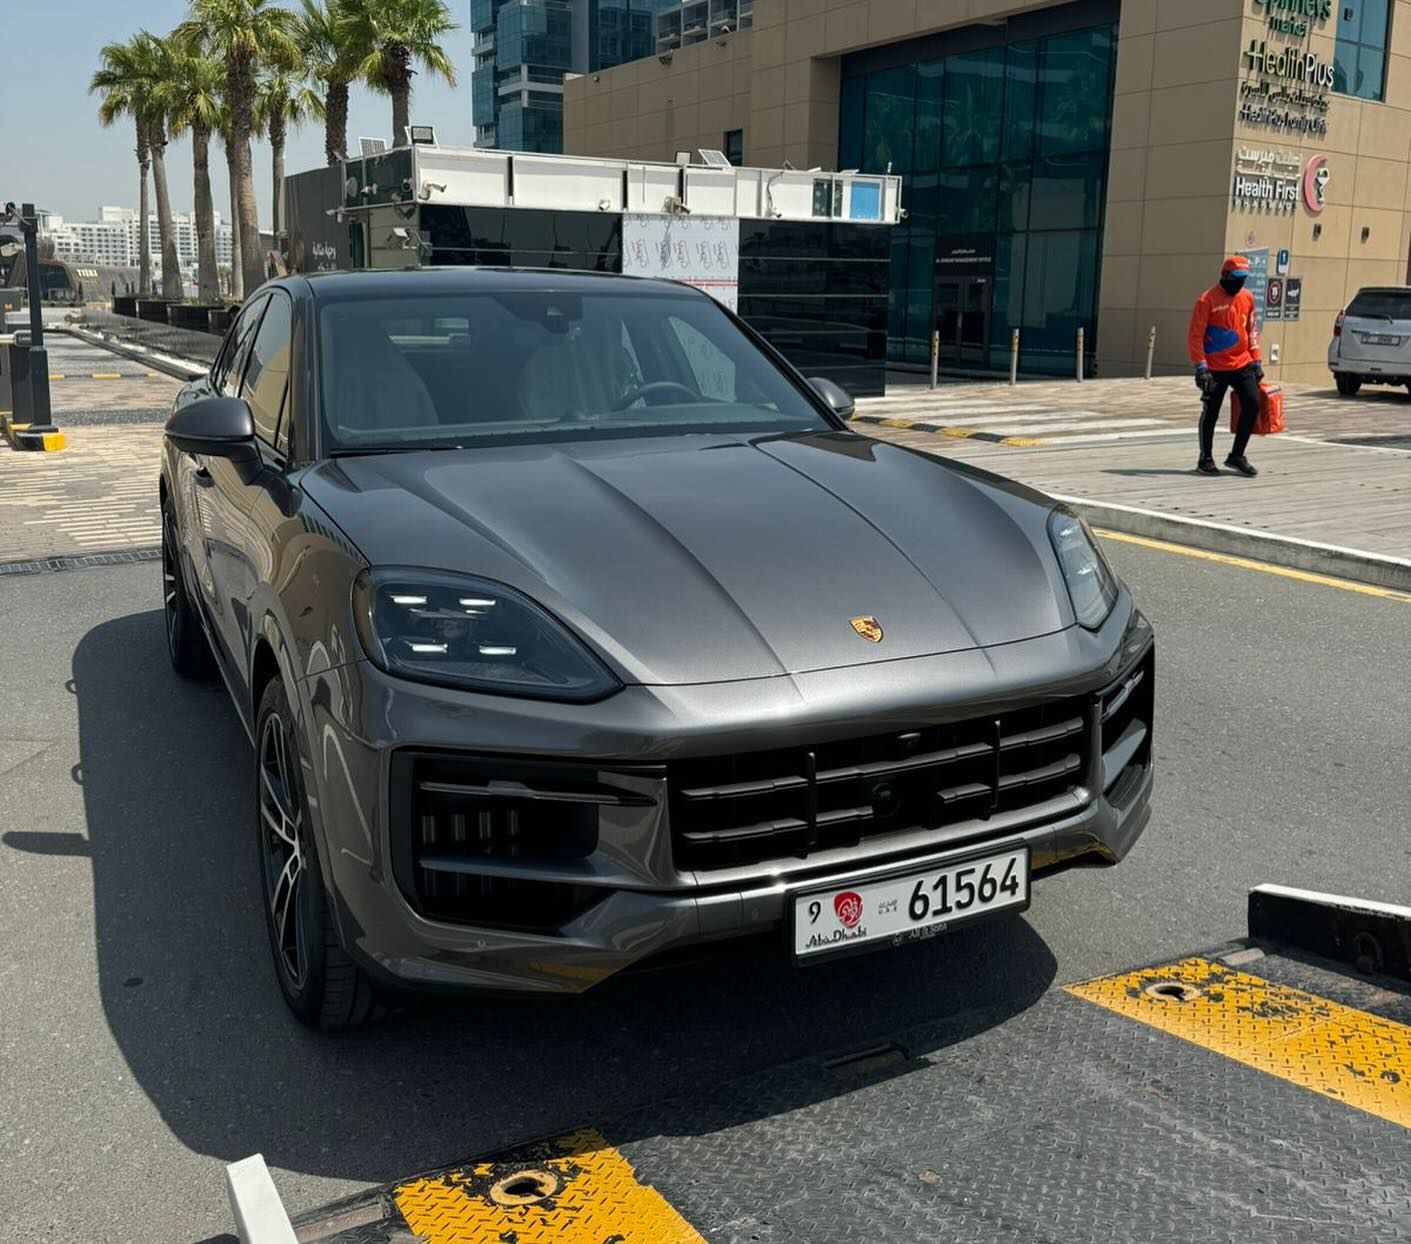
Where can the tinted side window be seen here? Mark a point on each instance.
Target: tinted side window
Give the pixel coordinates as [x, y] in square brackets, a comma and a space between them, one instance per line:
[267, 374]
[233, 361]
[1395, 304]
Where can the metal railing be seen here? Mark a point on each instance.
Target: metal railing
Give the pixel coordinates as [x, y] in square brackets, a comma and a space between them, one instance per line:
[182, 343]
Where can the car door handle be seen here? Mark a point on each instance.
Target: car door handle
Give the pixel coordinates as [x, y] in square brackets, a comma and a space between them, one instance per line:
[203, 477]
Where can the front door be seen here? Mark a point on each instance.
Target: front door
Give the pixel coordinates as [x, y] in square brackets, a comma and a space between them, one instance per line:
[963, 320]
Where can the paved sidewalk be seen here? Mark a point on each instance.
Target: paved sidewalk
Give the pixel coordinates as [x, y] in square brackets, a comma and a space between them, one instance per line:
[1042, 414]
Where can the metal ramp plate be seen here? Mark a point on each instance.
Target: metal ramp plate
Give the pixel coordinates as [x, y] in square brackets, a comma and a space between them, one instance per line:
[1235, 1096]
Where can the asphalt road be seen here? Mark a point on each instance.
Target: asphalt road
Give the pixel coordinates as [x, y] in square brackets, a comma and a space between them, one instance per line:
[143, 1043]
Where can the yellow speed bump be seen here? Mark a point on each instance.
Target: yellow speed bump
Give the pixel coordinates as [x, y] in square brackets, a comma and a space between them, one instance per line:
[1351, 1056]
[576, 1189]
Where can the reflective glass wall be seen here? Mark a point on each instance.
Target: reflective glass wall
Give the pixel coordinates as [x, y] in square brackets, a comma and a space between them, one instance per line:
[1002, 144]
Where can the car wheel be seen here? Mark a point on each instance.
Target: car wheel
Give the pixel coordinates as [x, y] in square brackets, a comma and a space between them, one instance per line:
[1348, 385]
[320, 982]
[186, 643]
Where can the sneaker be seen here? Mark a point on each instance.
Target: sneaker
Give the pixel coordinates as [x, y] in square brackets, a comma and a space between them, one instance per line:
[1206, 466]
[1242, 465]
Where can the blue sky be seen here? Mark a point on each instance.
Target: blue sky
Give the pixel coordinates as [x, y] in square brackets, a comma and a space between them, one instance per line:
[54, 153]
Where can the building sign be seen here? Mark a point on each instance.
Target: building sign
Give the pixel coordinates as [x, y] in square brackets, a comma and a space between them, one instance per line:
[1315, 184]
[1258, 280]
[1293, 297]
[1294, 17]
[1266, 180]
[703, 251]
[1274, 299]
[1288, 64]
[965, 254]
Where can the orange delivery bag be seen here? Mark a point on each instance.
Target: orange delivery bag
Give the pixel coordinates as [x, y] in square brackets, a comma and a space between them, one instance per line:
[1270, 418]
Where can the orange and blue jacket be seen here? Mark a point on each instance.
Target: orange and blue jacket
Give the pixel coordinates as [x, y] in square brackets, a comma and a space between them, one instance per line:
[1224, 333]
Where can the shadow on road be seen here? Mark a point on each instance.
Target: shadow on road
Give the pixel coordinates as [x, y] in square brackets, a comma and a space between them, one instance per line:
[189, 993]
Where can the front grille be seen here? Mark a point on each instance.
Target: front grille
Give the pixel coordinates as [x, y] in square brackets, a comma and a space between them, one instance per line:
[454, 817]
[735, 810]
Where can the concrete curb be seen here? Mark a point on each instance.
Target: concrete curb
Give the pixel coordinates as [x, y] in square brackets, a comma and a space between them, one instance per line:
[1329, 559]
[1372, 936]
[171, 366]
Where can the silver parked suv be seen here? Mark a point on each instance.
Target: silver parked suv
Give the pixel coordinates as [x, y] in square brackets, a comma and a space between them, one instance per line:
[1372, 339]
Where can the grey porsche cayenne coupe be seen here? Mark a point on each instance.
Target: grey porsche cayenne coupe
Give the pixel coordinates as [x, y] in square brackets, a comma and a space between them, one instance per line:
[573, 628]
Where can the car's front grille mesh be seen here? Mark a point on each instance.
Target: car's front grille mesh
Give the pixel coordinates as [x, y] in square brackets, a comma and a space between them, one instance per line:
[744, 809]
[461, 816]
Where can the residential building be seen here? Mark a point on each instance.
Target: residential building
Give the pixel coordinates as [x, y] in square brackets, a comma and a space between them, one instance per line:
[1065, 166]
[523, 50]
[695, 21]
[113, 239]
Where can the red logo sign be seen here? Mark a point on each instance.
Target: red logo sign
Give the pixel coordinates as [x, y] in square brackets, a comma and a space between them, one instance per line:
[1316, 176]
[848, 905]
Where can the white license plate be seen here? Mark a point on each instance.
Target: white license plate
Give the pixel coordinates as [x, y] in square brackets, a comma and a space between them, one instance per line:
[1380, 339]
[910, 906]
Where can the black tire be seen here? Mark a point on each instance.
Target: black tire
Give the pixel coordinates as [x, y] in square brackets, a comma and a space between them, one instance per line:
[1347, 385]
[320, 982]
[187, 647]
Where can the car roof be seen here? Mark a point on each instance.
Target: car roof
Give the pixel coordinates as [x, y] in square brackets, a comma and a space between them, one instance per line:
[367, 283]
[1384, 289]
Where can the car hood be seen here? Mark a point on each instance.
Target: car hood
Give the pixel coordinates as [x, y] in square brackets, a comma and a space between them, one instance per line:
[704, 559]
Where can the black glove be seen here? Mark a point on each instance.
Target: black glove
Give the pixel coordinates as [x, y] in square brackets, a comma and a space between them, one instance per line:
[1258, 373]
[1203, 378]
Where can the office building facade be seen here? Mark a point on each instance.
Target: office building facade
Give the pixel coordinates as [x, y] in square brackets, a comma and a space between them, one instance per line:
[523, 49]
[1081, 165]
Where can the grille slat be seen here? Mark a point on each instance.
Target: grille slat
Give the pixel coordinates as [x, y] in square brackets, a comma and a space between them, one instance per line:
[753, 807]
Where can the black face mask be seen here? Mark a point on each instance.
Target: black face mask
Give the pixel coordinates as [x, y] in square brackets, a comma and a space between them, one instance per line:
[1232, 284]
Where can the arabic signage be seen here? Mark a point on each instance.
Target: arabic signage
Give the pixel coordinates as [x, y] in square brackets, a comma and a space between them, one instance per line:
[1266, 180]
[965, 254]
[1294, 17]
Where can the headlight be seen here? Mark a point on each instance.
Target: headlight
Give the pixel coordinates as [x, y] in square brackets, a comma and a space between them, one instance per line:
[463, 632]
[1092, 587]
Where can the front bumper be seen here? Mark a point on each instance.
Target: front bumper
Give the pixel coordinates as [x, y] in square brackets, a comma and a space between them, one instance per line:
[640, 902]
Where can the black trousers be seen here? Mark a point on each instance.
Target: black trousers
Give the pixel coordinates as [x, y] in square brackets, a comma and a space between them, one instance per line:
[1247, 388]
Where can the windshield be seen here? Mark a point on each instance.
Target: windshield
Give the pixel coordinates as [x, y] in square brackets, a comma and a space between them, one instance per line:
[463, 368]
[1382, 304]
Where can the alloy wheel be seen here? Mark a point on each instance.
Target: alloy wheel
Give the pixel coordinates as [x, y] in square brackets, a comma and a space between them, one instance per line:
[282, 848]
[171, 581]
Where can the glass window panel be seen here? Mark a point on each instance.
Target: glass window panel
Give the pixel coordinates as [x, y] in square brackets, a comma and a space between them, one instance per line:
[890, 119]
[1371, 64]
[1060, 274]
[1344, 67]
[920, 195]
[1015, 185]
[1073, 90]
[974, 97]
[1020, 99]
[1349, 25]
[930, 82]
[1374, 22]
[921, 279]
[1007, 307]
[1066, 192]
[850, 109]
[966, 201]
[268, 370]
[897, 290]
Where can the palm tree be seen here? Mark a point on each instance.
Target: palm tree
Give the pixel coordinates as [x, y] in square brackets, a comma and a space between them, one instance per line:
[121, 77]
[333, 60]
[158, 58]
[246, 35]
[396, 34]
[283, 102]
[190, 94]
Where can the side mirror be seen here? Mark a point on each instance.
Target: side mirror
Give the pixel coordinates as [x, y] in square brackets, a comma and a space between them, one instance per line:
[216, 427]
[837, 398]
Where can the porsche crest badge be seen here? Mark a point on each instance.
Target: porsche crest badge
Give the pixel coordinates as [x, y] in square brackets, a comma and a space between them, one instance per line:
[868, 628]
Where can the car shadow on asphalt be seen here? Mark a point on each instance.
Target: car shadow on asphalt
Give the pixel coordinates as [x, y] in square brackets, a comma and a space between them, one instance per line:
[188, 991]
